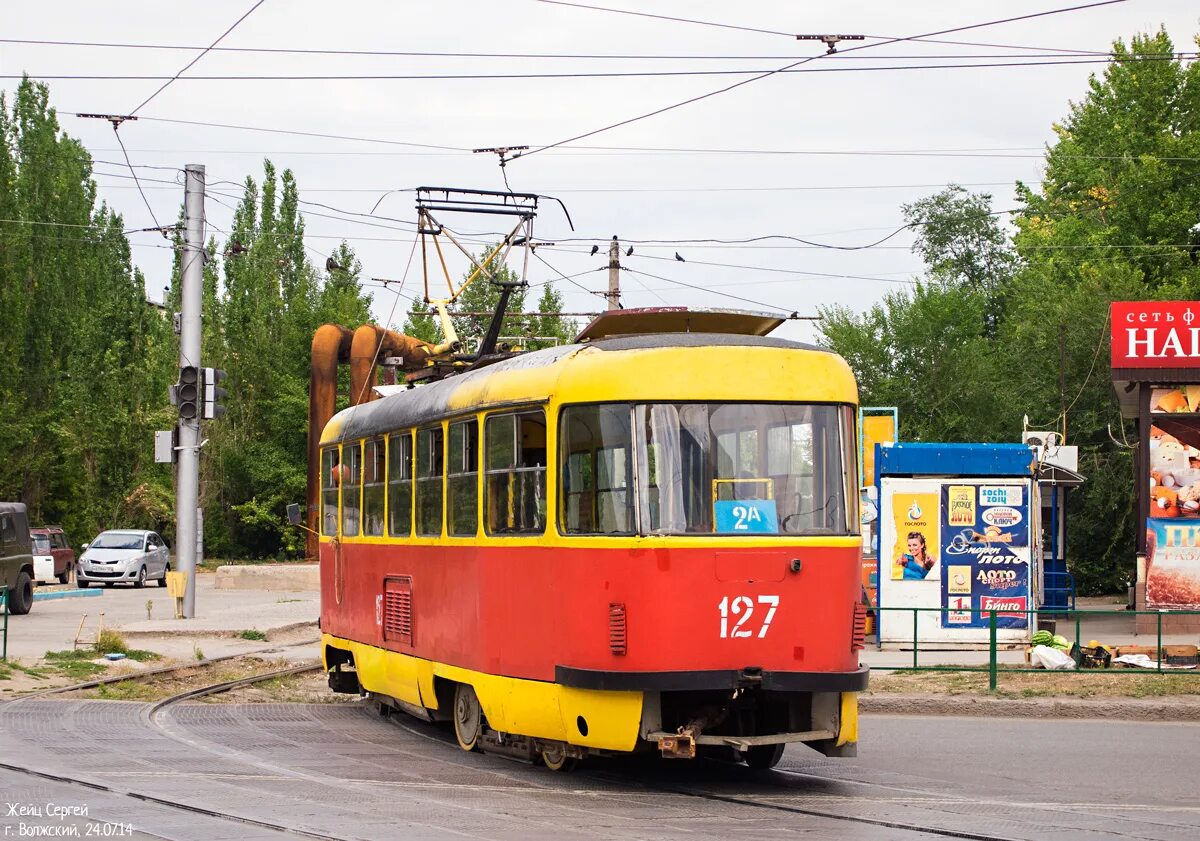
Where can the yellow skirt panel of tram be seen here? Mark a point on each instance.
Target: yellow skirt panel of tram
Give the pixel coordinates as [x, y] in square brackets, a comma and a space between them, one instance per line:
[512, 705]
[848, 726]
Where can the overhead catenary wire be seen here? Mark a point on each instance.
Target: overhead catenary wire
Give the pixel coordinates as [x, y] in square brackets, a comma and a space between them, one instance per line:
[581, 190]
[1031, 152]
[202, 54]
[569, 278]
[752, 79]
[795, 316]
[600, 74]
[634, 13]
[133, 172]
[557, 56]
[668, 18]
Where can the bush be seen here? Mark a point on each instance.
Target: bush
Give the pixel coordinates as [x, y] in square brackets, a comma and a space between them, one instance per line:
[111, 642]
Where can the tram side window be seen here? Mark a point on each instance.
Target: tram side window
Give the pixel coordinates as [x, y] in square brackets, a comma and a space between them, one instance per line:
[515, 495]
[329, 492]
[400, 485]
[429, 481]
[374, 464]
[463, 479]
[351, 473]
[595, 454]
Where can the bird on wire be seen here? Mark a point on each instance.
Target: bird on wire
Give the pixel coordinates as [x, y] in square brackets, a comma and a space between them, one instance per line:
[595, 248]
[629, 253]
[680, 259]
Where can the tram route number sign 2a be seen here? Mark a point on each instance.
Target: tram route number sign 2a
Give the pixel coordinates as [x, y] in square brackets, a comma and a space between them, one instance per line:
[746, 516]
[737, 614]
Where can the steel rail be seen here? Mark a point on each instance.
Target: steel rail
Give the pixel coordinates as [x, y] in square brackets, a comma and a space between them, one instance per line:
[449, 742]
[212, 689]
[170, 804]
[226, 686]
[160, 670]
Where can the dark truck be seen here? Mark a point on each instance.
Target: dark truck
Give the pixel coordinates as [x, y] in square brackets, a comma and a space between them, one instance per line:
[16, 557]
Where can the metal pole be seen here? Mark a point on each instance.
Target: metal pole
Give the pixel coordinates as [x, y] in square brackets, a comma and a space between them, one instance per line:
[187, 474]
[614, 274]
[1158, 655]
[992, 651]
[914, 610]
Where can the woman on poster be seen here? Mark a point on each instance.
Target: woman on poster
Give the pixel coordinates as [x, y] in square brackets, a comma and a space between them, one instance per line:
[916, 562]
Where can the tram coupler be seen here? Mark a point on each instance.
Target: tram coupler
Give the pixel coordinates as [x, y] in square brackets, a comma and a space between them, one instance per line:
[678, 746]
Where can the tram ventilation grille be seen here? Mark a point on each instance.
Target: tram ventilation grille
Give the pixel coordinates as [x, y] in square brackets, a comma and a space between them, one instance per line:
[859, 640]
[397, 610]
[616, 627]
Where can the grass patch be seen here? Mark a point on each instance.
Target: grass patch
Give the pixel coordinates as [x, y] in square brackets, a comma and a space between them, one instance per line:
[252, 634]
[5, 672]
[142, 655]
[126, 690]
[74, 664]
[1091, 683]
[36, 674]
[77, 663]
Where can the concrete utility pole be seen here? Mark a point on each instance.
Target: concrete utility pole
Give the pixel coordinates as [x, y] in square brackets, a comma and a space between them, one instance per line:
[187, 473]
[614, 274]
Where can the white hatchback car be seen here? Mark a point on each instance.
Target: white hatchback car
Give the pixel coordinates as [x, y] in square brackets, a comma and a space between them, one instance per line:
[126, 555]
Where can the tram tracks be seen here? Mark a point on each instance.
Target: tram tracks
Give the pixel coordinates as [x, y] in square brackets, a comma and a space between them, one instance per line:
[150, 717]
[648, 781]
[625, 779]
[156, 672]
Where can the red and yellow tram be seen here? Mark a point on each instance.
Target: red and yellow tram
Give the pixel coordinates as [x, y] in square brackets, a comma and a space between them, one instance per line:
[641, 541]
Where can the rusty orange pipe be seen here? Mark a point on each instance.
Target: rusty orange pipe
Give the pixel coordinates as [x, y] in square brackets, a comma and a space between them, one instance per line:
[331, 344]
[370, 344]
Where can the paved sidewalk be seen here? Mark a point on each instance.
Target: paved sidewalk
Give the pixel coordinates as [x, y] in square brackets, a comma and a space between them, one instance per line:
[220, 616]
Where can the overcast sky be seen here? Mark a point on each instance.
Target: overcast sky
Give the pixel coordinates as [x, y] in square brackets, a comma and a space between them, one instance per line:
[981, 127]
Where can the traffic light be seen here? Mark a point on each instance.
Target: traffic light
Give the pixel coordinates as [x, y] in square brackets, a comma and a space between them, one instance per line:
[188, 392]
[213, 393]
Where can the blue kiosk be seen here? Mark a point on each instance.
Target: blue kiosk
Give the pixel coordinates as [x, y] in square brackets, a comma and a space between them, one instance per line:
[961, 534]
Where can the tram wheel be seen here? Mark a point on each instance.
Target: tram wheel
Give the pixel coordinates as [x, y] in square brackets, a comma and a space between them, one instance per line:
[556, 759]
[762, 757]
[468, 717]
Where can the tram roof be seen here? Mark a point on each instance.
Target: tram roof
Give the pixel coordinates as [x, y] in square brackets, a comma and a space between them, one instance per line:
[535, 377]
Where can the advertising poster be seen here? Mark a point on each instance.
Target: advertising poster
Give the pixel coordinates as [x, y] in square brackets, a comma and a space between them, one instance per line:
[876, 429]
[1173, 528]
[985, 552]
[914, 554]
[1174, 468]
[1172, 563]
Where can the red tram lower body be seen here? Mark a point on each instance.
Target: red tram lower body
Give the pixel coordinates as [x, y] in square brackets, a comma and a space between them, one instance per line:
[742, 648]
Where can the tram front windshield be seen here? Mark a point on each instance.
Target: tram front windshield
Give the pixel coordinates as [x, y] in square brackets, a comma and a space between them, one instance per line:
[708, 469]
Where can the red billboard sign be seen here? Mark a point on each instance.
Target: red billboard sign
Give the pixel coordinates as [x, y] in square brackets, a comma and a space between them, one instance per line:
[1155, 334]
[1003, 605]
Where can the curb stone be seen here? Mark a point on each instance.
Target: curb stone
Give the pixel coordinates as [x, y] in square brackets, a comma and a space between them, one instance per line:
[216, 632]
[1183, 708]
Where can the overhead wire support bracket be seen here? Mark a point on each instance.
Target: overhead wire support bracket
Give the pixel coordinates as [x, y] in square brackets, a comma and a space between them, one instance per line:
[831, 41]
[115, 119]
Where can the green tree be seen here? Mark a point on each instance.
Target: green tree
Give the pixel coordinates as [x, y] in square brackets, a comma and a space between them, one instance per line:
[82, 356]
[1114, 218]
[264, 314]
[928, 351]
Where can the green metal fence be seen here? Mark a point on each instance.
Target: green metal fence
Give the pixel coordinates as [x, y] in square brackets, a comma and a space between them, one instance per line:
[993, 667]
[4, 598]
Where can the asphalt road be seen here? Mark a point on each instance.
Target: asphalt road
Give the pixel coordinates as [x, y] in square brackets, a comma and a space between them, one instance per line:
[271, 771]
